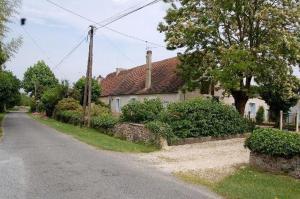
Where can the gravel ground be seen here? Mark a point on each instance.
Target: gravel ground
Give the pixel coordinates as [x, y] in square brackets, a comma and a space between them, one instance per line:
[214, 159]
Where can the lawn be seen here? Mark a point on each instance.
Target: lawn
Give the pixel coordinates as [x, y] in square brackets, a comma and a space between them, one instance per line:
[95, 138]
[1, 118]
[248, 183]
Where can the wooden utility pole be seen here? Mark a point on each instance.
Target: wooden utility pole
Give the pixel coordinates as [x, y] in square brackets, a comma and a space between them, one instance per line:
[88, 81]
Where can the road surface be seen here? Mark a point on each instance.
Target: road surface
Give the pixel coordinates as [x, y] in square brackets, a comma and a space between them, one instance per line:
[37, 162]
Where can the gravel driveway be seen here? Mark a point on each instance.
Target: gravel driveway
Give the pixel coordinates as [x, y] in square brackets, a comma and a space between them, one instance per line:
[218, 157]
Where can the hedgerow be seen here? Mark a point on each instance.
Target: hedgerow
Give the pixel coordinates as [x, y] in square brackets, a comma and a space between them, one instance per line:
[204, 117]
[274, 142]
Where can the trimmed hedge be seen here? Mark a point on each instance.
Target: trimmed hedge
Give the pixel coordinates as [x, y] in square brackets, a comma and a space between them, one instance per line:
[104, 122]
[204, 117]
[274, 142]
[141, 112]
[160, 129]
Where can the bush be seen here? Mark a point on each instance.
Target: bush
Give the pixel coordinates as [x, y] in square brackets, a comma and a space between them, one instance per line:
[68, 104]
[141, 112]
[50, 98]
[160, 129]
[203, 117]
[98, 110]
[274, 142]
[71, 117]
[104, 121]
[260, 115]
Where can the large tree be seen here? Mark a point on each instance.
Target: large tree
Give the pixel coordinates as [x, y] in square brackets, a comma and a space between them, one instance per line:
[79, 90]
[38, 78]
[280, 90]
[232, 41]
[9, 90]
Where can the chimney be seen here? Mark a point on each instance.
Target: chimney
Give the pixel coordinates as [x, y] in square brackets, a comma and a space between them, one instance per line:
[99, 79]
[148, 69]
[118, 70]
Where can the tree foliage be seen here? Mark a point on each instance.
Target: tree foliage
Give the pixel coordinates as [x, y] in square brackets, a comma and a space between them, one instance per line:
[233, 41]
[79, 89]
[39, 76]
[280, 90]
[9, 90]
[7, 49]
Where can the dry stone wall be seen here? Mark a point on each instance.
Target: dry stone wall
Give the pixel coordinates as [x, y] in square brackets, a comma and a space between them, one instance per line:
[290, 166]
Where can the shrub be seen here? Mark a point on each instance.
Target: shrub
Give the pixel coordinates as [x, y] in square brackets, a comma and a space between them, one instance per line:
[68, 104]
[140, 112]
[260, 115]
[71, 117]
[33, 106]
[203, 117]
[104, 122]
[161, 129]
[274, 142]
[50, 98]
[98, 110]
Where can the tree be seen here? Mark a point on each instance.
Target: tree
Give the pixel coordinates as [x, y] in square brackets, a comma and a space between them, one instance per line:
[79, 89]
[7, 49]
[38, 78]
[231, 42]
[260, 115]
[280, 90]
[9, 90]
[51, 97]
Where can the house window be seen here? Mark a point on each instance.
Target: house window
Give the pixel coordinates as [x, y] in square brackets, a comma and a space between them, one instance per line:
[132, 99]
[118, 105]
[252, 109]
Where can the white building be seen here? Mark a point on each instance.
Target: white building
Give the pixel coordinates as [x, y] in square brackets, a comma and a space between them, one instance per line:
[157, 80]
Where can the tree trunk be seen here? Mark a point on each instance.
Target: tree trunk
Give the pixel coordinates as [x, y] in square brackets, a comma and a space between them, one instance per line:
[240, 100]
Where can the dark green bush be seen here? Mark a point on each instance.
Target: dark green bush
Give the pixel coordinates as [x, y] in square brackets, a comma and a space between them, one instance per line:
[202, 117]
[161, 129]
[141, 112]
[274, 142]
[70, 116]
[104, 122]
[260, 115]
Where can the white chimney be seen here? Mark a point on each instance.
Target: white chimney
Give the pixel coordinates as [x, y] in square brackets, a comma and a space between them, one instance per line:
[118, 70]
[148, 69]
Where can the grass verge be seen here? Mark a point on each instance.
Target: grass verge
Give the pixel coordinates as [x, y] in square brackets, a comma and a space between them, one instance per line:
[95, 138]
[248, 183]
[1, 118]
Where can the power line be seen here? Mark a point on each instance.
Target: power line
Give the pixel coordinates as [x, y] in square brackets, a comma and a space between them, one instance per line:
[70, 52]
[128, 13]
[105, 25]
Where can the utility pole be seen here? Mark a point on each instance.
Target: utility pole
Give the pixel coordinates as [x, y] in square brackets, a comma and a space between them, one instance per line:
[88, 81]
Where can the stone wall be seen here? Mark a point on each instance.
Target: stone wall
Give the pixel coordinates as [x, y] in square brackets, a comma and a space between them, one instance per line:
[289, 166]
[206, 139]
[133, 132]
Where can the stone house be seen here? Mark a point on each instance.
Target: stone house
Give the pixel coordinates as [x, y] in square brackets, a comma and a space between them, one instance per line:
[157, 80]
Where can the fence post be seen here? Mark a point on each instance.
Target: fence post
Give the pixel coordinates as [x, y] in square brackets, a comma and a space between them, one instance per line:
[281, 118]
[297, 121]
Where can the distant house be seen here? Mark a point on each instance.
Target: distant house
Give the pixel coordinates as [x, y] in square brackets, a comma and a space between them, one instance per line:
[157, 80]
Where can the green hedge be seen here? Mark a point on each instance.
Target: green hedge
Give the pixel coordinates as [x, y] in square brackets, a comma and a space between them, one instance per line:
[203, 117]
[274, 142]
[70, 116]
[141, 112]
[104, 122]
[161, 129]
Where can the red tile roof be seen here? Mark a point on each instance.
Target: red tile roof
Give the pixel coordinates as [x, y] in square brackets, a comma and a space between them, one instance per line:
[132, 81]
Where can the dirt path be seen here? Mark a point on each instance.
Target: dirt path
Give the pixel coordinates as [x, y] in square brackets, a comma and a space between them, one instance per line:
[219, 157]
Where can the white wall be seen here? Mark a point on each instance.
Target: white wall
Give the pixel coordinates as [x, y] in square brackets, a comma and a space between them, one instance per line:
[165, 98]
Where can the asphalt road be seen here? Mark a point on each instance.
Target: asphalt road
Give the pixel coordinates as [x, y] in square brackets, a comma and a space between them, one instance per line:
[38, 162]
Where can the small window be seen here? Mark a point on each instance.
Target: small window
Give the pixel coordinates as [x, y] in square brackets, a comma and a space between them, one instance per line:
[132, 99]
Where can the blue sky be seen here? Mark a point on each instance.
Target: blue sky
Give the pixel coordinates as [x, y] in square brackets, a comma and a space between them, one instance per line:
[57, 32]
